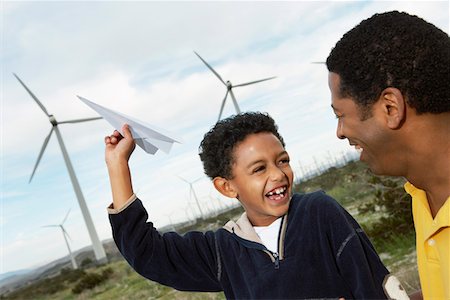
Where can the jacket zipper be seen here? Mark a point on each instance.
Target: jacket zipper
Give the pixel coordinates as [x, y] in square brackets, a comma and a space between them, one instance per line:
[274, 257]
[277, 260]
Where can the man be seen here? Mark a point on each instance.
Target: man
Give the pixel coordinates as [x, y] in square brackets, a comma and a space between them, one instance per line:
[390, 86]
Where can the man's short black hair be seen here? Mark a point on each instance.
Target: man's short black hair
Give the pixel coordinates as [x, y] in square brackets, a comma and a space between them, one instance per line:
[217, 146]
[394, 49]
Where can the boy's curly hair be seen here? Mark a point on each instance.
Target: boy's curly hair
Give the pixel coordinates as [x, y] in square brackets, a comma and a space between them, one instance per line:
[216, 148]
[394, 49]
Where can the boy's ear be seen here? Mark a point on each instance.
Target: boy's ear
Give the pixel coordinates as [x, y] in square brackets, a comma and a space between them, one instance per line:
[224, 187]
[394, 106]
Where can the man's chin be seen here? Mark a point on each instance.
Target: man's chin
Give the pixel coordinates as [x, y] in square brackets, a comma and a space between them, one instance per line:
[377, 169]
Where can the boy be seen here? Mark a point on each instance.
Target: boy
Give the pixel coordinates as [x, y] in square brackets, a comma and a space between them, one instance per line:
[283, 246]
[389, 81]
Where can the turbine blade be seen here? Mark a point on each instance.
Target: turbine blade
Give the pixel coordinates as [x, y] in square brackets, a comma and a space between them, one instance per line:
[183, 179]
[32, 95]
[67, 214]
[217, 74]
[50, 226]
[252, 82]
[223, 104]
[198, 179]
[236, 106]
[65, 233]
[41, 153]
[80, 120]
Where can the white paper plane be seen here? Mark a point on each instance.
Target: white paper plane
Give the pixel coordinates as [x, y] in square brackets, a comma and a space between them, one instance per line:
[148, 137]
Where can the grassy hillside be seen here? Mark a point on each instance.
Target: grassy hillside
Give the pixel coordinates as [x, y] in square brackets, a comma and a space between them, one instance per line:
[370, 199]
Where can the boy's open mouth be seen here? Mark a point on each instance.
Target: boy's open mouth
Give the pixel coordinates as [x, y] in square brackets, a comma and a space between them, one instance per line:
[277, 193]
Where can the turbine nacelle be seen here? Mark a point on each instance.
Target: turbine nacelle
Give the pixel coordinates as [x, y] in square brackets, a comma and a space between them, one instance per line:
[53, 120]
[229, 87]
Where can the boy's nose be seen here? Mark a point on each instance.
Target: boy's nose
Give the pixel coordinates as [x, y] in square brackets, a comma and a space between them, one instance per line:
[276, 174]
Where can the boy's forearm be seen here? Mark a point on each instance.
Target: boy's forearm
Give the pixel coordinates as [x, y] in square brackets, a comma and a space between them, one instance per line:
[120, 180]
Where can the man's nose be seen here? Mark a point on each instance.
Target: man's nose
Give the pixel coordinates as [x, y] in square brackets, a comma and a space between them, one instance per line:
[340, 130]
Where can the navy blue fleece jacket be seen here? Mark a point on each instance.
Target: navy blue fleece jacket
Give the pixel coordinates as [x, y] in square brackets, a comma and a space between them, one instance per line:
[322, 253]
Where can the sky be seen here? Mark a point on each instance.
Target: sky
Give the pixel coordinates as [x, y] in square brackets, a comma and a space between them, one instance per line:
[137, 58]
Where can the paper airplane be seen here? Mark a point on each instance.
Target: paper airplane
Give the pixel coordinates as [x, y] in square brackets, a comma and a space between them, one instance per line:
[148, 137]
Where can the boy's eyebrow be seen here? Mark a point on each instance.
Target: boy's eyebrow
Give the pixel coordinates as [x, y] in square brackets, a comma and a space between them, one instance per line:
[261, 160]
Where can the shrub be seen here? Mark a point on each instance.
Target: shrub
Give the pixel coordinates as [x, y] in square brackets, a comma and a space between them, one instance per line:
[91, 280]
[86, 262]
[395, 205]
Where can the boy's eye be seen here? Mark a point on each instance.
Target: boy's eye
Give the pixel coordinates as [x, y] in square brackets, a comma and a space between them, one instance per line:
[258, 169]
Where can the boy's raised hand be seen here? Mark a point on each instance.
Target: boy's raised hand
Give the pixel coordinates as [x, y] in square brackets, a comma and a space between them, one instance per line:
[117, 152]
[119, 148]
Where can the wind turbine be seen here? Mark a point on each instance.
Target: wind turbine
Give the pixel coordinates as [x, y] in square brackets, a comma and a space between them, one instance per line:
[66, 235]
[192, 192]
[170, 221]
[99, 251]
[230, 87]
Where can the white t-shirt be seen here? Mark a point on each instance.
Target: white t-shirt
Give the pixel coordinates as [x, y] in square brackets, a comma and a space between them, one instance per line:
[269, 235]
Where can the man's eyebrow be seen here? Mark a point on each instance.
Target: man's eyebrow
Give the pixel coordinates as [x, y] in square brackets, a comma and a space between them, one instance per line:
[283, 153]
[334, 108]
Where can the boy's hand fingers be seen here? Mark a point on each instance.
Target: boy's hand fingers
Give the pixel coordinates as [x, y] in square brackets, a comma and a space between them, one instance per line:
[116, 134]
[126, 131]
[114, 140]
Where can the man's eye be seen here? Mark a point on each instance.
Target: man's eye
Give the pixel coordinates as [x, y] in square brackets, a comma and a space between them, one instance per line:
[285, 161]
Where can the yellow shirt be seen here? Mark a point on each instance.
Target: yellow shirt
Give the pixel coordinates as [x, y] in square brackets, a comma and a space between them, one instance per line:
[433, 245]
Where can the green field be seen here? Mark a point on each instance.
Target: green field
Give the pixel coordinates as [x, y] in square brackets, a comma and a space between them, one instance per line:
[378, 203]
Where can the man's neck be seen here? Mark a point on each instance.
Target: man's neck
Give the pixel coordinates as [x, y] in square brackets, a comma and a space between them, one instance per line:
[429, 164]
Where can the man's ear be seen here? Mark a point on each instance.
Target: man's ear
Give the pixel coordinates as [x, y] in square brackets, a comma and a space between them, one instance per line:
[394, 106]
[224, 187]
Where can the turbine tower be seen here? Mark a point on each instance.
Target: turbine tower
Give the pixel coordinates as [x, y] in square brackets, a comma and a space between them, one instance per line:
[66, 235]
[192, 192]
[229, 87]
[99, 251]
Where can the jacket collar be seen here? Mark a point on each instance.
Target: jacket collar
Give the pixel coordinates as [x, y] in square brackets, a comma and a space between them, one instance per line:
[243, 229]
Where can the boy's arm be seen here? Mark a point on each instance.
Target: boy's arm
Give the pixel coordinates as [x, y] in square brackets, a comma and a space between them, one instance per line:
[186, 262]
[189, 262]
[363, 268]
[117, 153]
[357, 260]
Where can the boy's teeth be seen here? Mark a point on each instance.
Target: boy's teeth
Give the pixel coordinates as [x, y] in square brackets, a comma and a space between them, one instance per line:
[277, 191]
